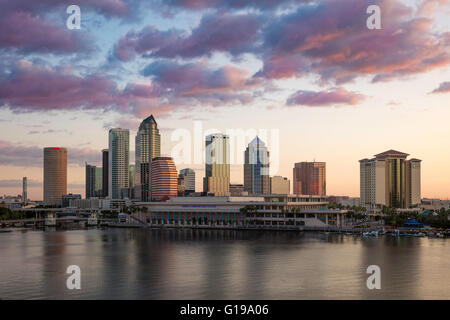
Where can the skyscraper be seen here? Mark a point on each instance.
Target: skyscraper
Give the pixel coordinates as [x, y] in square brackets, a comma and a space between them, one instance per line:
[24, 190]
[164, 179]
[90, 181]
[390, 180]
[186, 179]
[148, 146]
[119, 153]
[98, 182]
[55, 175]
[105, 172]
[310, 178]
[217, 165]
[256, 168]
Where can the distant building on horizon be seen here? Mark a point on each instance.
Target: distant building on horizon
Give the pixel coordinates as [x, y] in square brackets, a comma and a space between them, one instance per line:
[105, 172]
[119, 155]
[309, 178]
[148, 146]
[256, 168]
[164, 179]
[217, 165]
[280, 185]
[390, 180]
[55, 175]
[24, 190]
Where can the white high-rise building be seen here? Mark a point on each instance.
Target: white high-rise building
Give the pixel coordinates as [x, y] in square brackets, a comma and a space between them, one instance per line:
[217, 166]
[390, 180]
[119, 155]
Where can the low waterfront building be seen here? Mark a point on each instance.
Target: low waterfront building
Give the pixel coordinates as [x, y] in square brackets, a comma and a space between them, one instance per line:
[264, 210]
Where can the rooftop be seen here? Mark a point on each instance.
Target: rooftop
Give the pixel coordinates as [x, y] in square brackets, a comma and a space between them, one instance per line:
[391, 153]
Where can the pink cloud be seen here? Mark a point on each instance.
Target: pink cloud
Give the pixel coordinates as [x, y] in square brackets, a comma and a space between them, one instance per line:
[331, 39]
[26, 32]
[324, 98]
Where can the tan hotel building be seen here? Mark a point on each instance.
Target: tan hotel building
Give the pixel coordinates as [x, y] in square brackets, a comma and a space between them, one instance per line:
[390, 180]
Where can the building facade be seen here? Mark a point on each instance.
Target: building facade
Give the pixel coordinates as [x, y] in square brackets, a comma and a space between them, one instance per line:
[148, 146]
[90, 181]
[119, 153]
[256, 168]
[186, 180]
[55, 175]
[66, 199]
[217, 165]
[98, 186]
[164, 179]
[280, 185]
[309, 178]
[105, 172]
[237, 190]
[389, 179]
[245, 211]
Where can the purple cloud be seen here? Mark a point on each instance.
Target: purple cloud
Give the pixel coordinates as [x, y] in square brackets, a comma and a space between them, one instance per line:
[13, 154]
[192, 84]
[229, 33]
[229, 4]
[324, 98]
[24, 28]
[33, 87]
[444, 87]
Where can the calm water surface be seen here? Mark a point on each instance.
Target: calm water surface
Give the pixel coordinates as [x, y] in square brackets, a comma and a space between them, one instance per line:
[196, 264]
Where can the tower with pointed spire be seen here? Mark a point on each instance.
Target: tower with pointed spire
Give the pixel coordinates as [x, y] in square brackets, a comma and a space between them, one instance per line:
[256, 168]
[148, 147]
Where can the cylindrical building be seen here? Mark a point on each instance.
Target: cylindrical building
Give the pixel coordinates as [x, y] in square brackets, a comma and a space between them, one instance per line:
[164, 184]
[55, 175]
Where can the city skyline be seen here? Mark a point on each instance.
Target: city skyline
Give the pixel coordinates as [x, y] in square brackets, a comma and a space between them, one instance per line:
[282, 67]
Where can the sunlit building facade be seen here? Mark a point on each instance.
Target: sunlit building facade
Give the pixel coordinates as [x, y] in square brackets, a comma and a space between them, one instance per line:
[164, 179]
[217, 166]
[55, 175]
[390, 180]
[310, 178]
[280, 185]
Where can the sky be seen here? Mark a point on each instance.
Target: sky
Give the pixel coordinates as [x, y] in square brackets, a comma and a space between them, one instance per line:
[308, 76]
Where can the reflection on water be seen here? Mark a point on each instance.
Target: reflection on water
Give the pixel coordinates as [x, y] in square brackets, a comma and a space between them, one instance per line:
[205, 264]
